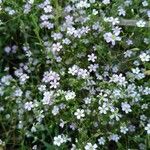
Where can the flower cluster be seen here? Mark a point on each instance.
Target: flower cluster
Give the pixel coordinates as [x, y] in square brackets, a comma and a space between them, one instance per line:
[74, 74]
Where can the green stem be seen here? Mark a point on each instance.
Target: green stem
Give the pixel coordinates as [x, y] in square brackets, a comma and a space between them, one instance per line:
[58, 11]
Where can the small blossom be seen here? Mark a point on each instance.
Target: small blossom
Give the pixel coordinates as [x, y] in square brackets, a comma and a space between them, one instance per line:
[58, 140]
[55, 110]
[111, 38]
[92, 57]
[79, 113]
[123, 129]
[145, 3]
[106, 2]
[114, 137]
[48, 9]
[147, 128]
[70, 95]
[144, 57]
[48, 98]
[101, 141]
[126, 107]
[56, 47]
[89, 146]
[28, 105]
[141, 23]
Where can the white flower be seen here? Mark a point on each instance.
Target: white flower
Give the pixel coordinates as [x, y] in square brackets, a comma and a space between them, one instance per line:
[79, 113]
[31, 1]
[115, 21]
[148, 13]
[129, 42]
[111, 38]
[128, 53]
[82, 4]
[23, 78]
[48, 98]
[142, 146]
[116, 30]
[146, 40]
[92, 1]
[121, 11]
[123, 129]
[112, 20]
[146, 91]
[126, 107]
[101, 141]
[42, 88]
[33, 129]
[18, 92]
[106, 2]
[136, 63]
[131, 128]
[114, 137]
[147, 128]
[103, 109]
[145, 3]
[116, 116]
[44, 17]
[87, 100]
[6, 79]
[70, 95]
[73, 126]
[144, 106]
[71, 30]
[55, 110]
[62, 123]
[66, 41]
[34, 147]
[54, 84]
[47, 24]
[50, 76]
[28, 105]
[11, 12]
[7, 49]
[89, 146]
[143, 117]
[2, 143]
[1, 91]
[83, 73]
[144, 57]
[141, 23]
[92, 57]
[58, 140]
[94, 12]
[73, 147]
[73, 70]
[48, 9]
[56, 47]
[57, 36]
[136, 70]
[96, 26]
[93, 67]
[119, 79]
